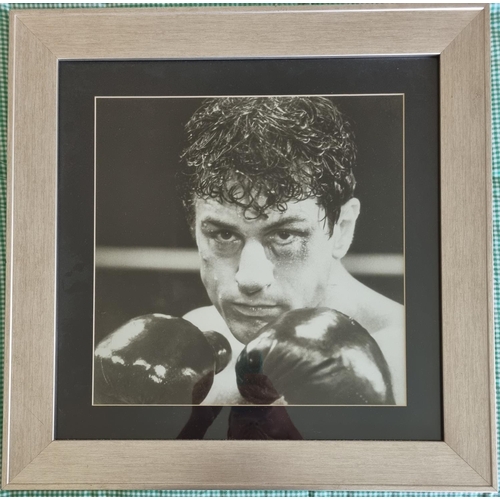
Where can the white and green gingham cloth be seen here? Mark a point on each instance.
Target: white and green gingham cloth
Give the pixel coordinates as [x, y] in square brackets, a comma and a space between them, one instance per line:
[495, 73]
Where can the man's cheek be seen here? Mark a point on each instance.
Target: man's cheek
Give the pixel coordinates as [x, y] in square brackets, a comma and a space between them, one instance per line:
[292, 275]
[299, 283]
[207, 273]
[214, 277]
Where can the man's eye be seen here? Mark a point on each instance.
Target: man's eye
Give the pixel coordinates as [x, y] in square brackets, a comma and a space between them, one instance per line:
[284, 235]
[225, 236]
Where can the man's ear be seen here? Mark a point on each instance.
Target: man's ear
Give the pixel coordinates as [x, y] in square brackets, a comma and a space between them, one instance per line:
[343, 232]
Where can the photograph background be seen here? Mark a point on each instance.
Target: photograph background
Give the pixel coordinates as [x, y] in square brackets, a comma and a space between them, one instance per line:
[146, 258]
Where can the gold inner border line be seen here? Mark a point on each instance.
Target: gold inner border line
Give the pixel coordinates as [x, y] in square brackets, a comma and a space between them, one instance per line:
[402, 94]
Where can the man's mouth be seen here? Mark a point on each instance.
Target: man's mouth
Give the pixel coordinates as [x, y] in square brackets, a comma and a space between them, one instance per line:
[263, 311]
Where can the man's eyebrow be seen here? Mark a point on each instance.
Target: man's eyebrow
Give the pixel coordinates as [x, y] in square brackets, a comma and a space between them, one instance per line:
[219, 223]
[287, 220]
[274, 225]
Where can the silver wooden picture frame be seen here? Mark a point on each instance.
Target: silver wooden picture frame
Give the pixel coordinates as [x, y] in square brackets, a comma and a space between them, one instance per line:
[459, 35]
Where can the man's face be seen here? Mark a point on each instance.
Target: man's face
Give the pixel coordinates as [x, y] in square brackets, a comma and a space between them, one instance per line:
[256, 269]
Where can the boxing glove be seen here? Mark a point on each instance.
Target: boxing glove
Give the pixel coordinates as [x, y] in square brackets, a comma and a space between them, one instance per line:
[158, 359]
[314, 357]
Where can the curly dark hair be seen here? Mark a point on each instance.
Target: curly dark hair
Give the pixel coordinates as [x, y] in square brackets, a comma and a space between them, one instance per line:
[262, 152]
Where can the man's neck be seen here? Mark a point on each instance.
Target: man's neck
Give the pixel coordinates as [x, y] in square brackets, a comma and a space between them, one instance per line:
[349, 296]
[343, 291]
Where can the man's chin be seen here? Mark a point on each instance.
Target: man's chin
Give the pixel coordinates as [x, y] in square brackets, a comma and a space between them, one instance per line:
[246, 331]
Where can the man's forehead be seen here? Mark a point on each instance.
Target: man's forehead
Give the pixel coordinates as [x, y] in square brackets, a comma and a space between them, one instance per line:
[306, 210]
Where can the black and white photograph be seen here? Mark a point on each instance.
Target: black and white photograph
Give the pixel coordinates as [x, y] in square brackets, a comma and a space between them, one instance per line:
[249, 250]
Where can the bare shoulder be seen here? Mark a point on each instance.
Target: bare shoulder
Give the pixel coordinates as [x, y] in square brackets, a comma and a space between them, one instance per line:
[391, 338]
[385, 321]
[206, 318]
[380, 312]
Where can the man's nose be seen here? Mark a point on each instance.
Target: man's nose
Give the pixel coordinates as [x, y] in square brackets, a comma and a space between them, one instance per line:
[255, 271]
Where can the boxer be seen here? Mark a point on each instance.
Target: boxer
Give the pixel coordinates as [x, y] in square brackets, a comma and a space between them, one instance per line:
[268, 188]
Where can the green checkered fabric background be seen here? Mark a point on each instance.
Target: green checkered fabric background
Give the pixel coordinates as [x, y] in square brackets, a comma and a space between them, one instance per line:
[495, 70]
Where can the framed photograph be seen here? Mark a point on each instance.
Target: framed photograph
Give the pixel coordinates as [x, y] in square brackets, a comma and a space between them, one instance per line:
[260, 236]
